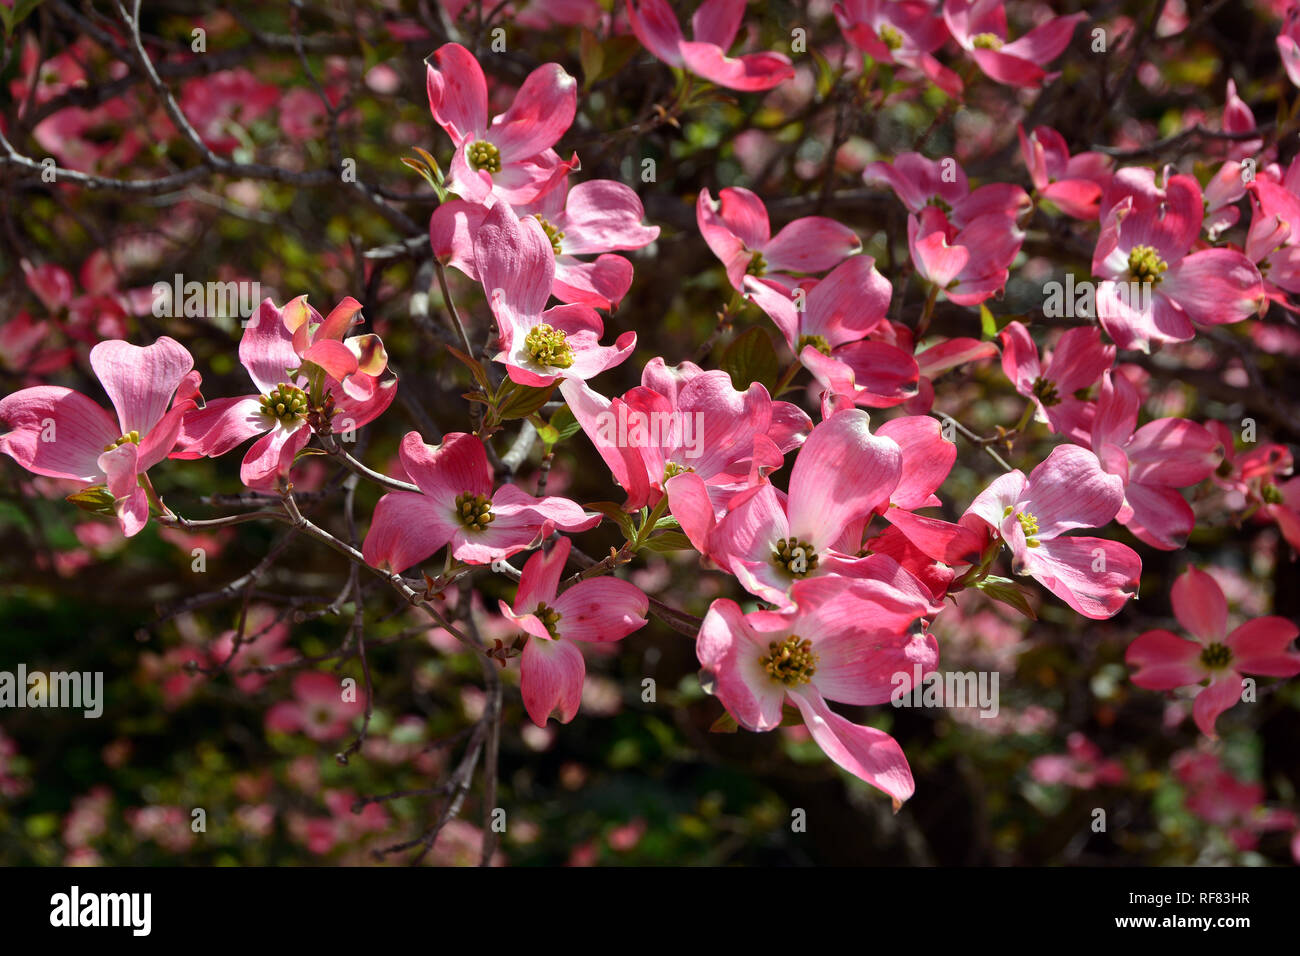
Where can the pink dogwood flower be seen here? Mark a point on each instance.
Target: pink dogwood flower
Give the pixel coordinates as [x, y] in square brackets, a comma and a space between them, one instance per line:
[769, 540]
[511, 158]
[969, 265]
[685, 420]
[980, 28]
[739, 233]
[295, 358]
[1164, 661]
[1073, 183]
[1068, 490]
[516, 264]
[921, 183]
[905, 32]
[1154, 286]
[714, 27]
[456, 505]
[320, 708]
[837, 642]
[596, 217]
[1074, 366]
[1082, 766]
[600, 610]
[1153, 461]
[60, 433]
[826, 328]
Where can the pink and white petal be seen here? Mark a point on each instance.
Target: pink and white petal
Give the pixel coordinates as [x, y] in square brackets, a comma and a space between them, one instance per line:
[1173, 451]
[1079, 359]
[1019, 357]
[119, 466]
[540, 580]
[220, 426]
[1164, 661]
[1262, 646]
[1215, 286]
[883, 374]
[162, 438]
[140, 382]
[842, 472]
[272, 456]
[773, 299]
[405, 529]
[601, 609]
[721, 238]
[749, 73]
[457, 93]
[1004, 491]
[848, 303]
[542, 111]
[1065, 567]
[812, 244]
[656, 26]
[1045, 43]
[598, 285]
[603, 215]
[1222, 693]
[590, 358]
[132, 512]
[1070, 490]
[1200, 606]
[515, 261]
[928, 457]
[451, 234]
[870, 755]
[56, 432]
[266, 348]
[730, 650]
[754, 523]
[1157, 515]
[689, 503]
[594, 412]
[718, 22]
[550, 680]
[457, 466]
[333, 356]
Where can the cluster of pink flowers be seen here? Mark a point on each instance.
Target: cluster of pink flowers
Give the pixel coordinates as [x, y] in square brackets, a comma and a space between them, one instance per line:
[847, 564]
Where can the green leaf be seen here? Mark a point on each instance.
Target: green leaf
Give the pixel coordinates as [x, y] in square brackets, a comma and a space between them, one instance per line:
[751, 358]
[726, 724]
[666, 542]
[988, 324]
[1008, 592]
[96, 499]
[564, 423]
[616, 514]
[475, 367]
[592, 57]
[524, 401]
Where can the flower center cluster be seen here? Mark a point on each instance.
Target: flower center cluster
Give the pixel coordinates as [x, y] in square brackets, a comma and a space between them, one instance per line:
[986, 41]
[1045, 391]
[549, 617]
[939, 204]
[474, 511]
[757, 265]
[548, 347]
[553, 234]
[1272, 494]
[816, 341]
[285, 403]
[672, 469]
[794, 557]
[1216, 656]
[792, 661]
[1028, 523]
[484, 156]
[1145, 264]
[890, 37]
[132, 436]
